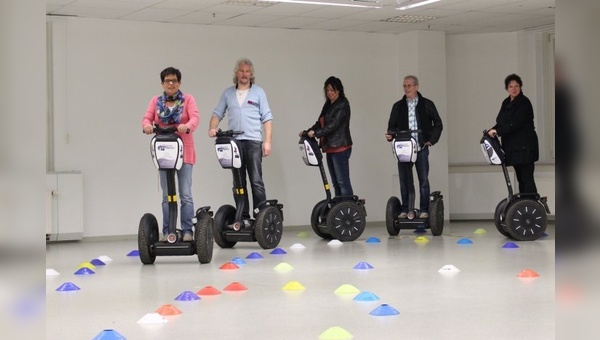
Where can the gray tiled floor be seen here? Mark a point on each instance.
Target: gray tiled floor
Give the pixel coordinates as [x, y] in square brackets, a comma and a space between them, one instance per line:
[484, 300]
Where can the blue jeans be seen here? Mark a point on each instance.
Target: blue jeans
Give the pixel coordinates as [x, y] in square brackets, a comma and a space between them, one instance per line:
[339, 170]
[184, 184]
[251, 152]
[422, 165]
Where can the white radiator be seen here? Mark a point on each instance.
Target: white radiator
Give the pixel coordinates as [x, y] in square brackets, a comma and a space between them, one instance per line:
[64, 206]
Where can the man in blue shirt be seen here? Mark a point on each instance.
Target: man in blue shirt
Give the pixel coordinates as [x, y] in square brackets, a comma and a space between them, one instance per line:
[248, 110]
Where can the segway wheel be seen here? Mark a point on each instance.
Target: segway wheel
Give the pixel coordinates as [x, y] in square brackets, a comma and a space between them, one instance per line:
[526, 220]
[498, 218]
[203, 237]
[392, 210]
[147, 236]
[317, 219]
[268, 228]
[436, 219]
[346, 221]
[223, 217]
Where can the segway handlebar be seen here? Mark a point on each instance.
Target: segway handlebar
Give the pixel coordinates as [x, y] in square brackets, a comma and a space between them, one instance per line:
[402, 132]
[167, 129]
[228, 133]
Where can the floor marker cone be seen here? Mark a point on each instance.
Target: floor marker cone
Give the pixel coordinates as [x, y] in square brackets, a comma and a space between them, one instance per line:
[528, 274]
[278, 251]
[86, 265]
[84, 271]
[293, 286]
[335, 333]
[134, 252]
[187, 296]
[335, 243]
[464, 240]
[448, 269]
[346, 289]
[297, 246]
[104, 258]
[283, 268]
[366, 297]
[373, 239]
[303, 234]
[384, 310]
[109, 334]
[97, 262]
[479, 231]
[510, 245]
[363, 266]
[165, 310]
[254, 255]
[235, 287]
[208, 290]
[152, 318]
[421, 240]
[67, 286]
[229, 266]
[51, 272]
[238, 260]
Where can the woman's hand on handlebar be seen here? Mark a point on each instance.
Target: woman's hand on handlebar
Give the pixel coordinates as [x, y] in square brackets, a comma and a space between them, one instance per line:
[148, 129]
[492, 133]
[183, 128]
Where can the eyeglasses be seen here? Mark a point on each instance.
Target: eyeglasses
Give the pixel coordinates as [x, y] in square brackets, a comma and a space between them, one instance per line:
[171, 81]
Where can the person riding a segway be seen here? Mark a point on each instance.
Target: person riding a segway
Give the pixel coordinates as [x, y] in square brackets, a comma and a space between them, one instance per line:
[415, 125]
[171, 117]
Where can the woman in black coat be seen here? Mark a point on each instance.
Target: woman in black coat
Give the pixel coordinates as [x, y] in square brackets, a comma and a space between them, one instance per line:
[514, 125]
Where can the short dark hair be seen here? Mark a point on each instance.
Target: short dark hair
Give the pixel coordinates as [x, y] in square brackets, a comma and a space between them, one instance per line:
[512, 77]
[336, 84]
[169, 71]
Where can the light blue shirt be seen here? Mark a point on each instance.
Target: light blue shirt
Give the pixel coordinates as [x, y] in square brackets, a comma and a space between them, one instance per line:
[412, 118]
[248, 117]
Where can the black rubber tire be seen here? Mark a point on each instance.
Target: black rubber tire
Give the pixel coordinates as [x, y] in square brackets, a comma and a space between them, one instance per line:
[436, 217]
[392, 210]
[223, 217]
[346, 221]
[498, 215]
[147, 236]
[203, 237]
[526, 220]
[268, 227]
[316, 219]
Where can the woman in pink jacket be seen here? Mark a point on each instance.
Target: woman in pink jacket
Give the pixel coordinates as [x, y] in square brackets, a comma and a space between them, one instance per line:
[174, 108]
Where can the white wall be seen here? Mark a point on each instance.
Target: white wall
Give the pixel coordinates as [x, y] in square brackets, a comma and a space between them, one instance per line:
[106, 71]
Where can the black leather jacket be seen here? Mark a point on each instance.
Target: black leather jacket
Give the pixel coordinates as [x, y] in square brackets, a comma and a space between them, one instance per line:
[336, 130]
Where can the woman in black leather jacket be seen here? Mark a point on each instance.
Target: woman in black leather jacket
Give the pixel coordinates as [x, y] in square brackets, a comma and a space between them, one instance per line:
[515, 126]
[333, 130]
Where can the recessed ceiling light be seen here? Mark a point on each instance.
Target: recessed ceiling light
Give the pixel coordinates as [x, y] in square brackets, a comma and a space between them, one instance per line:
[341, 3]
[408, 4]
[409, 19]
[248, 3]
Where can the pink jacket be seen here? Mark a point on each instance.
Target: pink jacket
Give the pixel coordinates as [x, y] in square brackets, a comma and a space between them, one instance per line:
[188, 117]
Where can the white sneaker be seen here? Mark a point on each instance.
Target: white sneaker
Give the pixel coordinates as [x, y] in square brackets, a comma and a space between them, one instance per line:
[403, 215]
[423, 215]
[187, 237]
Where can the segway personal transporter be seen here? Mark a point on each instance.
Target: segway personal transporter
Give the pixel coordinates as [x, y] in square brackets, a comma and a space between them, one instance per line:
[404, 148]
[230, 226]
[342, 217]
[521, 216]
[166, 148]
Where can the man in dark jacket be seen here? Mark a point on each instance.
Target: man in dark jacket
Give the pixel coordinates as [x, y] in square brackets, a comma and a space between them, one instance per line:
[415, 112]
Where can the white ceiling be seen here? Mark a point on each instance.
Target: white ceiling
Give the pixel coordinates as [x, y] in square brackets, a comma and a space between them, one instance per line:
[451, 16]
